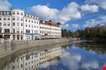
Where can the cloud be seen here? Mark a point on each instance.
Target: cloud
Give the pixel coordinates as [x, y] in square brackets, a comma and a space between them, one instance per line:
[91, 8]
[47, 64]
[103, 4]
[70, 12]
[71, 60]
[73, 27]
[4, 5]
[90, 64]
[90, 23]
[65, 26]
[67, 13]
[77, 26]
[100, 3]
[101, 21]
[44, 11]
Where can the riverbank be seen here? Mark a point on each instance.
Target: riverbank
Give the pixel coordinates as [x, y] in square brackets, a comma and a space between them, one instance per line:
[10, 47]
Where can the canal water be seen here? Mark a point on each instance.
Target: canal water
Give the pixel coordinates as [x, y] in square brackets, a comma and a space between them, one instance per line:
[77, 55]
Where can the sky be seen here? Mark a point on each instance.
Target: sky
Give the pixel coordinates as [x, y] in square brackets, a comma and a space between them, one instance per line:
[72, 14]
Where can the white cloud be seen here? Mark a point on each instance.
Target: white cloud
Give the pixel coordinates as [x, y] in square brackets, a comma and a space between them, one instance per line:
[90, 23]
[4, 5]
[103, 4]
[71, 26]
[91, 8]
[76, 26]
[103, 18]
[101, 21]
[67, 13]
[70, 12]
[71, 60]
[44, 11]
[90, 64]
[100, 3]
[65, 26]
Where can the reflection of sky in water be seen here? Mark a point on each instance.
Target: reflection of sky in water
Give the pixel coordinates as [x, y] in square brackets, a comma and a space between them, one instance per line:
[75, 58]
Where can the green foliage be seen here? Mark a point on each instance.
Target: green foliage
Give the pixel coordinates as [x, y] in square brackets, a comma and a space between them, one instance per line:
[66, 33]
[94, 33]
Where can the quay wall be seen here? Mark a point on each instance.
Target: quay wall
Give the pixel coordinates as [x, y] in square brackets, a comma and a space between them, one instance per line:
[10, 47]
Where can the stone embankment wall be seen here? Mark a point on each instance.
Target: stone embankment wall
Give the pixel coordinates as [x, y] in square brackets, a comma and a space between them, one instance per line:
[9, 47]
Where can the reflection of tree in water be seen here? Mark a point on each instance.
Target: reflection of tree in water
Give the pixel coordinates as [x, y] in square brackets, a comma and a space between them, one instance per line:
[99, 48]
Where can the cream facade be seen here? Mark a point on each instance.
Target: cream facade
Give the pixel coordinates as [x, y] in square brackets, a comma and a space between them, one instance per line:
[49, 29]
[18, 25]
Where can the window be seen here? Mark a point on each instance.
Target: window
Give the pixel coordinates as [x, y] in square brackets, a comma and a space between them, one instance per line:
[4, 18]
[0, 30]
[17, 31]
[13, 24]
[13, 30]
[17, 18]
[21, 19]
[26, 69]
[21, 13]
[6, 30]
[17, 13]
[21, 65]
[32, 21]
[8, 13]
[17, 24]
[25, 63]
[27, 31]
[13, 13]
[13, 37]
[8, 24]
[26, 20]
[13, 18]
[21, 24]
[4, 24]
[8, 18]
[0, 24]
[13, 67]
[17, 37]
[34, 26]
[21, 37]
[21, 31]
[29, 20]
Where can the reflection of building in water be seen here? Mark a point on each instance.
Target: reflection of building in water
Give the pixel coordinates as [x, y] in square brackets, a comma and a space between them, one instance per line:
[32, 60]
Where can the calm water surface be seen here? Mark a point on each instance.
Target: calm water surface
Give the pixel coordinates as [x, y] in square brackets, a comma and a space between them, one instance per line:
[79, 56]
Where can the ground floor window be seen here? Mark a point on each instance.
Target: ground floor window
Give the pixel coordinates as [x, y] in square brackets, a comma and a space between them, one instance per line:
[6, 36]
[21, 37]
[13, 37]
[17, 37]
[1, 36]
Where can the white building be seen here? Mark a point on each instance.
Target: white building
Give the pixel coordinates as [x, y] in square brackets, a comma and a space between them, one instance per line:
[49, 29]
[17, 25]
